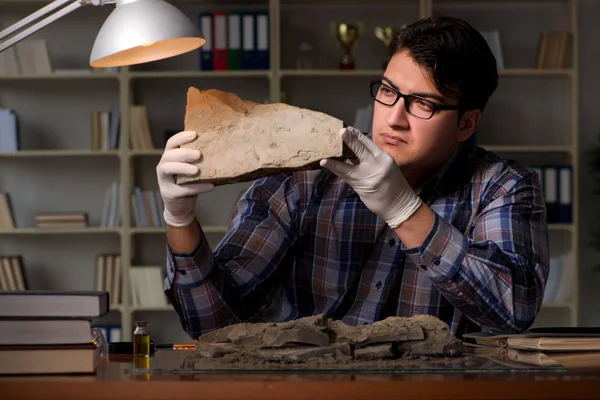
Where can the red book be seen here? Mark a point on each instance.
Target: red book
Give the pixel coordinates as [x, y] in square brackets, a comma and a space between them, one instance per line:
[220, 41]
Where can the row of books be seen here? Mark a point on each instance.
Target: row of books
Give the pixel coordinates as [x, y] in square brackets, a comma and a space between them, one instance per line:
[9, 129]
[555, 50]
[31, 57]
[61, 220]
[105, 128]
[112, 332]
[12, 273]
[560, 280]
[44, 332]
[147, 208]
[146, 282]
[234, 40]
[557, 187]
[28, 57]
[106, 133]
[7, 219]
[108, 277]
[111, 210]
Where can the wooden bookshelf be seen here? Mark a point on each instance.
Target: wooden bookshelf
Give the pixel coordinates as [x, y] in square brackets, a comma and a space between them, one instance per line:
[135, 86]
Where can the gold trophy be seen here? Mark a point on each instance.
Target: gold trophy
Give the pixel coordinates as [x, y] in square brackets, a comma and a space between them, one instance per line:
[347, 35]
[386, 35]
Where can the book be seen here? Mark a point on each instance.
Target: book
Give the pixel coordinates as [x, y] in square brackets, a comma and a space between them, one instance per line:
[53, 304]
[544, 340]
[48, 359]
[18, 331]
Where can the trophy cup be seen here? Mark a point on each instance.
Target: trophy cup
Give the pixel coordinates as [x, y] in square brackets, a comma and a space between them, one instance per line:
[386, 35]
[346, 36]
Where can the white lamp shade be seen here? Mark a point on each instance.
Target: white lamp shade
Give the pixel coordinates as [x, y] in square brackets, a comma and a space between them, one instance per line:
[139, 31]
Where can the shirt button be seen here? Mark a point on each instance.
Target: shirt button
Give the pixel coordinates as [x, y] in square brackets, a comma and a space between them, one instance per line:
[172, 270]
[423, 267]
[392, 242]
[182, 272]
[436, 260]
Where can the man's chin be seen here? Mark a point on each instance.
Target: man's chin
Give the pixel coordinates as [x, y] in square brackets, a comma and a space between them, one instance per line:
[396, 153]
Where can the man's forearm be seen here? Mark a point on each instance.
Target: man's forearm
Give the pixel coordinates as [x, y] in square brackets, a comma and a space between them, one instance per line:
[185, 239]
[415, 229]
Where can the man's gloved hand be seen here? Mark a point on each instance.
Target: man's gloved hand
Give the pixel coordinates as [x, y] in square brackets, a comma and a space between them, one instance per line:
[376, 179]
[179, 201]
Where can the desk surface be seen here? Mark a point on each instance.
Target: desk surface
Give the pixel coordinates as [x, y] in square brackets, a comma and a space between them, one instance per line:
[113, 381]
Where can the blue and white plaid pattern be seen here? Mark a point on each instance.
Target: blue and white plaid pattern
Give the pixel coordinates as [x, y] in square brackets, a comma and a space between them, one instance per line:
[303, 243]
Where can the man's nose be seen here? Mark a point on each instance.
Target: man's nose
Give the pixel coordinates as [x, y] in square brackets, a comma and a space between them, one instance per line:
[397, 115]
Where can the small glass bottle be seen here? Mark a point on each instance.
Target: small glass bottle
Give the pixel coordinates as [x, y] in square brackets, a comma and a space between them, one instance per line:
[141, 339]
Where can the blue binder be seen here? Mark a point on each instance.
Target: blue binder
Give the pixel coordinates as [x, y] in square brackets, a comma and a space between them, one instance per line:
[565, 194]
[205, 25]
[248, 41]
[262, 53]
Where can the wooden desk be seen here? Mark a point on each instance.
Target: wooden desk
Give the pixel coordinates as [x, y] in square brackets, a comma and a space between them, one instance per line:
[113, 382]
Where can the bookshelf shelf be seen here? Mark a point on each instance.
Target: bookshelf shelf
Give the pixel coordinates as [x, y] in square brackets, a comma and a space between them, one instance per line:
[162, 87]
[60, 153]
[561, 227]
[116, 307]
[150, 308]
[334, 73]
[199, 74]
[60, 231]
[558, 305]
[516, 72]
[535, 72]
[142, 153]
[71, 76]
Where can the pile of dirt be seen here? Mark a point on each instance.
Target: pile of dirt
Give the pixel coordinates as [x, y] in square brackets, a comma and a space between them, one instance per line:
[317, 342]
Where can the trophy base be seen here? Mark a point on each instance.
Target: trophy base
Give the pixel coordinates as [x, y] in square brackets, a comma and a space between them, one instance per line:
[347, 66]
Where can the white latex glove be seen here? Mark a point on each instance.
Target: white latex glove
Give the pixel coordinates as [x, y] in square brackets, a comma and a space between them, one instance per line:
[179, 200]
[376, 179]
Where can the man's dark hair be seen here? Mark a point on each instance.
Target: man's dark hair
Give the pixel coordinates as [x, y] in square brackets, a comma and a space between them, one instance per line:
[457, 55]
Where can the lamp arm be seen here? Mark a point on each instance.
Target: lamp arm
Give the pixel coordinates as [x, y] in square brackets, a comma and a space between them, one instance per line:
[75, 4]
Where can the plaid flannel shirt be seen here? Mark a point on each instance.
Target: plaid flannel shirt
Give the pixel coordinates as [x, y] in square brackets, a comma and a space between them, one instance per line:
[303, 243]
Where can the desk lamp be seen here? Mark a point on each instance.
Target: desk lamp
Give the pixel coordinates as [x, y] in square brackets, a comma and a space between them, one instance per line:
[136, 31]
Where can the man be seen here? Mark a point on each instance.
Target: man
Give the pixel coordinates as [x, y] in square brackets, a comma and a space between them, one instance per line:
[425, 223]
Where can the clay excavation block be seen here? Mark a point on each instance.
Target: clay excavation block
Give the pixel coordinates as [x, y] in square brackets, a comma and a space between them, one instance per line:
[377, 352]
[389, 330]
[241, 140]
[437, 340]
[215, 350]
[276, 337]
[302, 354]
[317, 340]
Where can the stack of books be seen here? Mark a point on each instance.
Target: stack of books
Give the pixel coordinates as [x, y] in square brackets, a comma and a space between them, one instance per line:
[61, 220]
[49, 332]
[567, 347]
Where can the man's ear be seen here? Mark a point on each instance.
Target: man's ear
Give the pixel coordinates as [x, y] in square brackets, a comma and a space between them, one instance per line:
[468, 124]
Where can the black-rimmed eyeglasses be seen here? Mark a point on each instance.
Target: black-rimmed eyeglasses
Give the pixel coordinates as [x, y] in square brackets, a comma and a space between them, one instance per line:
[416, 106]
